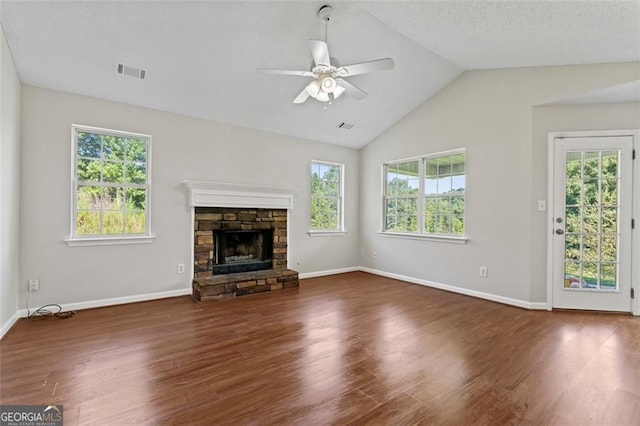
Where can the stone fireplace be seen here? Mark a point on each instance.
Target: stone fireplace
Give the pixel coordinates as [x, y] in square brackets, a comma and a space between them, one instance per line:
[239, 240]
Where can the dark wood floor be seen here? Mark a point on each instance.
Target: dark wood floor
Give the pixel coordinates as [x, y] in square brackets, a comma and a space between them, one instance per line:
[351, 348]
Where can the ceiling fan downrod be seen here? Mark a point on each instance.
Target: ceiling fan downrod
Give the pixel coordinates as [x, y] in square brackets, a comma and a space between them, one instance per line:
[325, 13]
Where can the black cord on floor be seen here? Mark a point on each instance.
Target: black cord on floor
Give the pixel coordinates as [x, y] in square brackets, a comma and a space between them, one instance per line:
[44, 311]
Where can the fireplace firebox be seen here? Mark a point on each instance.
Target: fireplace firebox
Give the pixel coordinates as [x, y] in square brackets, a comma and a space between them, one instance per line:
[242, 250]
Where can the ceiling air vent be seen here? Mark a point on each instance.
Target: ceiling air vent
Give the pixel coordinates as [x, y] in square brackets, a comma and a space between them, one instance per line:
[131, 71]
[346, 126]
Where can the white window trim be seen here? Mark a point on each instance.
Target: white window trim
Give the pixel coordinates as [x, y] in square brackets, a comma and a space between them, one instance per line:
[340, 230]
[327, 233]
[101, 240]
[447, 238]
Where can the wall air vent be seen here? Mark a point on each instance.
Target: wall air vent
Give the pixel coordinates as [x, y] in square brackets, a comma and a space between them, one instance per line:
[346, 126]
[131, 71]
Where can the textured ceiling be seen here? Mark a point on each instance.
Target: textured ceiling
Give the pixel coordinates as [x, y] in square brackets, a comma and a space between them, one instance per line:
[201, 57]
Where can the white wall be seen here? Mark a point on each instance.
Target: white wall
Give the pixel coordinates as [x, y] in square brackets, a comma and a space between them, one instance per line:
[183, 148]
[548, 119]
[10, 185]
[489, 113]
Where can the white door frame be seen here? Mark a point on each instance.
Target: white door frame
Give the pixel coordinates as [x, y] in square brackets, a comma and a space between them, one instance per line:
[635, 243]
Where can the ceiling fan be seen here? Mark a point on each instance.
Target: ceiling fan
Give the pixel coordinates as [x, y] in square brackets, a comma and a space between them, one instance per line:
[329, 78]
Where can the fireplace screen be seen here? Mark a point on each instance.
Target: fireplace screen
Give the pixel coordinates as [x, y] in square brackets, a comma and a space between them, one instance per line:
[242, 251]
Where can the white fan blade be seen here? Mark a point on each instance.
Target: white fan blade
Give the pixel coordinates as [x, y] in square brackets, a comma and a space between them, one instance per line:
[287, 72]
[339, 90]
[351, 90]
[301, 97]
[320, 52]
[366, 67]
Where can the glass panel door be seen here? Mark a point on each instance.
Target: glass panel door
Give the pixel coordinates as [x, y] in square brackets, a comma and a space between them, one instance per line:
[592, 223]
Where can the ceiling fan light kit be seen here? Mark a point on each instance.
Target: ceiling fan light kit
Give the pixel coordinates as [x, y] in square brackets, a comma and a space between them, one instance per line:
[329, 82]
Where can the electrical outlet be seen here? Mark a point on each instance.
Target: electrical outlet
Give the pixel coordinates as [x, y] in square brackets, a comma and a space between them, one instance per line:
[484, 271]
[542, 205]
[375, 254]
[34, 285]
[180, 268]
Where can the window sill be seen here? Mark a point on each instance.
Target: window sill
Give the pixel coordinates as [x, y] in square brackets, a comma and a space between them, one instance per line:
[440, 238]
[109, 241]
[326, 233]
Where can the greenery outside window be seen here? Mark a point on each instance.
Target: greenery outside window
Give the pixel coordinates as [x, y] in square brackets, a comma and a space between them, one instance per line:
[111, 184]
[326, 197]
[426, 195]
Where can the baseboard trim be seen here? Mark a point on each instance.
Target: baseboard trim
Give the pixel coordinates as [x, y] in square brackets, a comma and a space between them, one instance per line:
[10, 323]
[187, 291]
[329, 272]
[117, 301]
[478, 294]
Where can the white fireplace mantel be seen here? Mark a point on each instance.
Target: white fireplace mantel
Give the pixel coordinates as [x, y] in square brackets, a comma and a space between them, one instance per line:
[214, 194]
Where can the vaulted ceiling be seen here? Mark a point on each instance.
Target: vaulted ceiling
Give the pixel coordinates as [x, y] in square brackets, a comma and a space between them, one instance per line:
[201, 58]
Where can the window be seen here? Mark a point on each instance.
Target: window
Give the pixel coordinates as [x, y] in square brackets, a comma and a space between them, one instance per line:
[111, 183]
[326, 196]
[425, 196]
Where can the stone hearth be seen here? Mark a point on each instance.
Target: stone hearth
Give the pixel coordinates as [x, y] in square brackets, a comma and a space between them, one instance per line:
[240, 284]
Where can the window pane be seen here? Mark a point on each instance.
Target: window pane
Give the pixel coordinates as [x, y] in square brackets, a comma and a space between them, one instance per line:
[590, 274]
[590, 247]
[591, 220]
[572, 218]
[88, 223]
[136, 173]
[412, 214]
[89, 170]
[610, 249]
[88, 145]
[112, 147]
[572, 275]
[113, 198]
[572, 247]
[458, 183]
[113, 222]
[413, 186]
[136, 150]
[610, 192]
[591, 165]
[333, 174]
[431, 186]
[608, 280]
[573, 193]
[135, 223]
[444, 185]
[609, 220]
[443, 225]
[112, 172]
[332, 189]
[610, 164]
[458, 224]
[88, 198]
[136, 198]
[457, 205]
[574, 165]
[444, 206]
[591, 193]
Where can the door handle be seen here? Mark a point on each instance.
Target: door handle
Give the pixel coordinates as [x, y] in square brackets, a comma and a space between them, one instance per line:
[559, 231]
